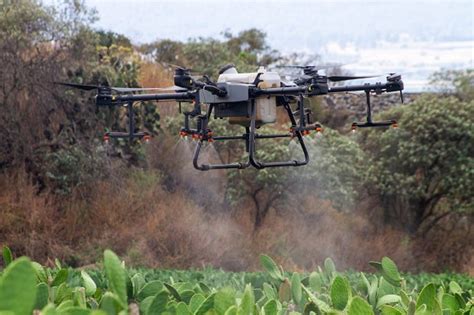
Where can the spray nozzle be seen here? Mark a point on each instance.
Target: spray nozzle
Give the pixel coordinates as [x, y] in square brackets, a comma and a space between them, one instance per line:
[318, 128]
[146, 138]
[354, 127]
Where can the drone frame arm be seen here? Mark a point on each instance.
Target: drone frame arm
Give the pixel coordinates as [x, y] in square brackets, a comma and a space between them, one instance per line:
[378, 88]
[318, 89]
[179, 96]
[367, 88]
[131, 134]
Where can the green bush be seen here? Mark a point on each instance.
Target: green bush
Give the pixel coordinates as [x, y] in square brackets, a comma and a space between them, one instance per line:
[424, 171]
[66, 169]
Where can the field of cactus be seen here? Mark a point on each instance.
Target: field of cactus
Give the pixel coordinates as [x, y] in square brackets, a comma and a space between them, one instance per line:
[26, 287]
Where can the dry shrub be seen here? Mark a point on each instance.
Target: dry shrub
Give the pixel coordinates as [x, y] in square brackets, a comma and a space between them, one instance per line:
[151, 226]
[135, 217]
[24, 217]
[153, 74]
[449, 247]
[304, 240]
[179, 234]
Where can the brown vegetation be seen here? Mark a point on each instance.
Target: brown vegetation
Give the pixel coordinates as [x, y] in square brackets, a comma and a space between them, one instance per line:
[149, 226]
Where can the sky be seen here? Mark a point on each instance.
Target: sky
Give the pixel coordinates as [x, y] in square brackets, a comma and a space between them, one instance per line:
[413, 37]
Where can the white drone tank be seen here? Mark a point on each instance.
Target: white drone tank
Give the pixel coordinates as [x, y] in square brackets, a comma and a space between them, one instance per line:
[265, 105]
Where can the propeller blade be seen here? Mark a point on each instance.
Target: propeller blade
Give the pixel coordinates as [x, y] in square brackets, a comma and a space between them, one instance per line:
[85, 87]
[89, 87]
[288, 83]
[172, 65]
[337, 78]
[168, 88]
[316, 67]
[291, 66]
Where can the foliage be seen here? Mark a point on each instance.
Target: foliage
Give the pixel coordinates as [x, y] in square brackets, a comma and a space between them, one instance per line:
[457, 82]
[35, 40]
[336, 170]
[119, 65]
[26, 286]
[246, 50]
[264, 187]
[50, 131]
[72, 167]
[426, 166]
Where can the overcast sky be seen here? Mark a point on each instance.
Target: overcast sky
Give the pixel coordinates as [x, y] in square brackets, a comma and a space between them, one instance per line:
[306, 22]
[416, 37]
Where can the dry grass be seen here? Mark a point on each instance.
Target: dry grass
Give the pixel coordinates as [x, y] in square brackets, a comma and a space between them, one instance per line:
[153, 75]
[149, 226]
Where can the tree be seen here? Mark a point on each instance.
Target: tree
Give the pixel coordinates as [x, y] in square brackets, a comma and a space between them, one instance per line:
[334, 174]
[337, 168]
[455, 82]
[424, 171]
[38, 43]
[165, 51]
[246, 50]
[45, 127]
[264, 187]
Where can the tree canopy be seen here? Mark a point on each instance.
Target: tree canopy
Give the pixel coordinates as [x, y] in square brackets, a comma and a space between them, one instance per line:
[246, 50]
[424, 171]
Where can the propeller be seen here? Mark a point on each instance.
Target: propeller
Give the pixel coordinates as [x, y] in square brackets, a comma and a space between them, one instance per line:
[288, 83]
[174, 66]
[317, 67]
[168, 88]
[338, 78]
[85, 87]
[88, 87]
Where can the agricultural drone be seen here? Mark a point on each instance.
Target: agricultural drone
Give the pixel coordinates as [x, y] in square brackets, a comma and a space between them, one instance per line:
[246, 99]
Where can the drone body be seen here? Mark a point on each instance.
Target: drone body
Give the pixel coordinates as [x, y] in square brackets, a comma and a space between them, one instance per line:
[239, 112]
[246, 99]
